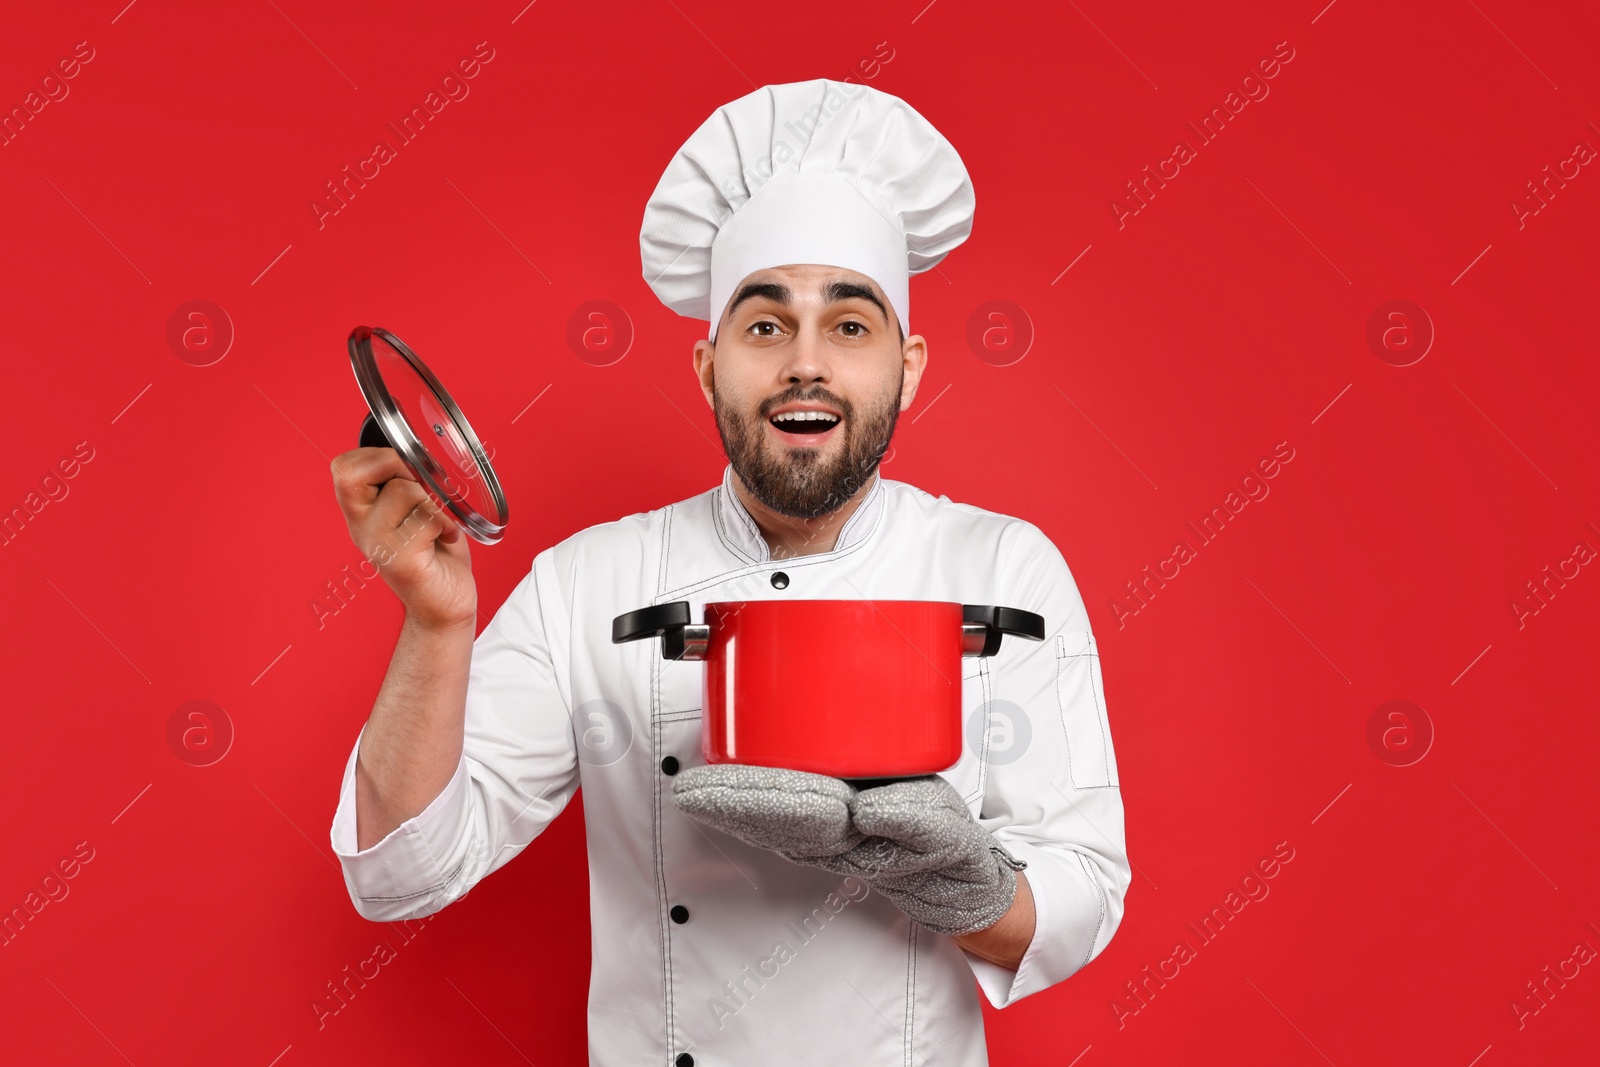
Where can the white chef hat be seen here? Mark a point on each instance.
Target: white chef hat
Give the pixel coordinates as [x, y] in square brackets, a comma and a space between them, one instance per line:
[804, 172]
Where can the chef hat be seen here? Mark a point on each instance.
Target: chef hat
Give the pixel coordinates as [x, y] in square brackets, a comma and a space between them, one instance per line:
[804, 172]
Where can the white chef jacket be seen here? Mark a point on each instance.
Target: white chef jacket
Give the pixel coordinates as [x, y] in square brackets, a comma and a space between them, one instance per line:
[708, 952]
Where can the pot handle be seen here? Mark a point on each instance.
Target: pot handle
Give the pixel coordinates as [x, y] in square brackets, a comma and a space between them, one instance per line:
[680, 639]
[372, 435]
[984, 626]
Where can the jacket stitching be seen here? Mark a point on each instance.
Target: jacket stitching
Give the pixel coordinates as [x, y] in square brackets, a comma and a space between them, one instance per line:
[722, 533]
[792, 562]
[739, 511]
[666, 548]
[655, 780]
[424, 892]
[1100, 896]
[911, 992]
[1061, 708]
[717, 498]
[747, 522]
[870, 502]
[1100, 712]
[986, 691]
[1061, 657]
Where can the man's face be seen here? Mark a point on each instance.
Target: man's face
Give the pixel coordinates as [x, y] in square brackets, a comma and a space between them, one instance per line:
[816, 339]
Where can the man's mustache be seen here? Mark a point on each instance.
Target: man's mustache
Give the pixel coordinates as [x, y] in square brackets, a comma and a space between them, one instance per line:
[843, 406]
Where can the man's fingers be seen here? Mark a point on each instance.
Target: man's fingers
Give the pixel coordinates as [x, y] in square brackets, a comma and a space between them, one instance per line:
[427, 521]
[397, 505]
[404, 531]
[359, 475]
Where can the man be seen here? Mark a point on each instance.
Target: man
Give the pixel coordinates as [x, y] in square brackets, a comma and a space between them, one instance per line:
[748, 915]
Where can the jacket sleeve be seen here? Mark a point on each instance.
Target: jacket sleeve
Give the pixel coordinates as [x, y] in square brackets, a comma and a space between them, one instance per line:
[518, 770]
[1052, 795]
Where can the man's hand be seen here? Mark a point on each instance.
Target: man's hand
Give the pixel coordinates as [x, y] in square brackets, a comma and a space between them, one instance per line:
[802, 817]
[913, 841]
[418, 549]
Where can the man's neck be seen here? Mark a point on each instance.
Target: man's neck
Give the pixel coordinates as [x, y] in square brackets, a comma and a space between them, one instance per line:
[786, 536]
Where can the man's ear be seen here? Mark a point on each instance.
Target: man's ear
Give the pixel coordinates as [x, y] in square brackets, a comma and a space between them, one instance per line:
[914, 360]
[704, 352]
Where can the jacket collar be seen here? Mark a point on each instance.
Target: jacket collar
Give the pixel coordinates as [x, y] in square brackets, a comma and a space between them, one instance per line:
[740, 532]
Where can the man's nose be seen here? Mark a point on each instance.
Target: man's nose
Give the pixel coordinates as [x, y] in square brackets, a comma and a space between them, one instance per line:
[807, 360]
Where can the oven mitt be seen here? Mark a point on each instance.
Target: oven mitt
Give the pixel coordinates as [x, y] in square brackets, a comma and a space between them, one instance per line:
[913, 841]
[803, 817]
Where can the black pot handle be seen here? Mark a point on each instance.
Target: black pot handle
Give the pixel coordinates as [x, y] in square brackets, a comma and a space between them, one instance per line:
[372, 435]
[996, 623]
[984, 625]
[680, 639]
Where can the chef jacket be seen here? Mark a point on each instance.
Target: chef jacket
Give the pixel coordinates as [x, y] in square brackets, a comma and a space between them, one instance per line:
[708, 952]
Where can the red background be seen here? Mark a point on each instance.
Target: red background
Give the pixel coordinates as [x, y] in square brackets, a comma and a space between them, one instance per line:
[1226, 316]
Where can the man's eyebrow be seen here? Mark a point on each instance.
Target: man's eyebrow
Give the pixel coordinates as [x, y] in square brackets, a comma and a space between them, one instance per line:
[832, 293]
[851, 291]
[771, 290]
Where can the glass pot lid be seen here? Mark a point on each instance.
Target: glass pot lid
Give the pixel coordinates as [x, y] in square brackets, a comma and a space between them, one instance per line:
[412, 413]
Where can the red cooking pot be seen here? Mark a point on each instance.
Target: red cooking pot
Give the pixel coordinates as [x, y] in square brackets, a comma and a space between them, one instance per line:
[863, 689]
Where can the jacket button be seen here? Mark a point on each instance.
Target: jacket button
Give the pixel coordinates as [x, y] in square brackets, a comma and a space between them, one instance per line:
[780, 580]
[679, 913]
[684, 1060]
[669, 766]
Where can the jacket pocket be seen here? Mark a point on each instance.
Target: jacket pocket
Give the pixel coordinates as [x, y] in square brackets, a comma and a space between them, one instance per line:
[1080, 695]
[681, 686]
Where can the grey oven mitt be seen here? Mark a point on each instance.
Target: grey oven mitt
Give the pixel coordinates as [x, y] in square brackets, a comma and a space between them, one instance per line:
[913, 840]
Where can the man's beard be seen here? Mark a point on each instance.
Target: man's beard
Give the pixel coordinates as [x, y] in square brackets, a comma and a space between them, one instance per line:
[802, 484]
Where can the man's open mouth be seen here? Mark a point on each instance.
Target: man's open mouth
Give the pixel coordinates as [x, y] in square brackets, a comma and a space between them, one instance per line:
[804, 423]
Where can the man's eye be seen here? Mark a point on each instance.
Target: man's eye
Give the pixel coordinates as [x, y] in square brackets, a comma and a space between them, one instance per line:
[764, 322]
[859, 328]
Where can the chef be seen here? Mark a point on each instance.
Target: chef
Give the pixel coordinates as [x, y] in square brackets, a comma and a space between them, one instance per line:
[744, 916]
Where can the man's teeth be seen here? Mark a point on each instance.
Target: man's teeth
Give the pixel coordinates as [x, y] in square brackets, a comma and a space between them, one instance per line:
[805, 416]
